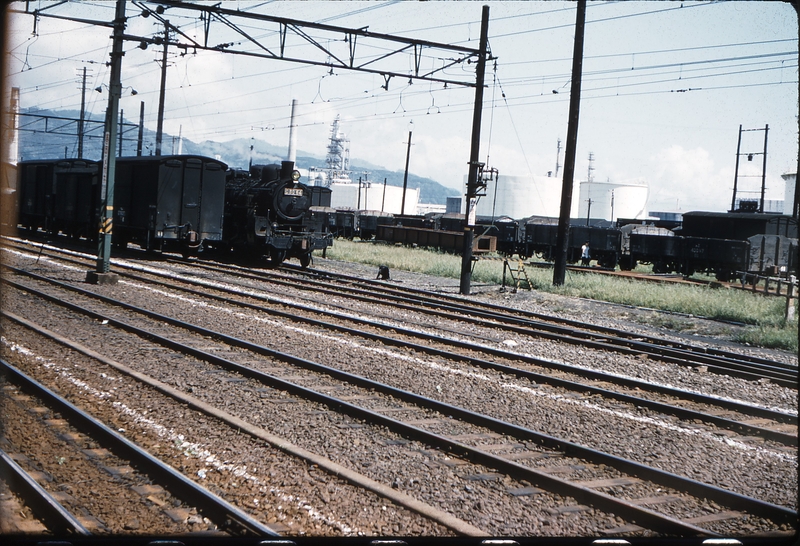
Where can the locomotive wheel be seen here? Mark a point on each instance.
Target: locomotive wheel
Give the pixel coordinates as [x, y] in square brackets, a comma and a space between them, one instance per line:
[305, 260]
[276, 257]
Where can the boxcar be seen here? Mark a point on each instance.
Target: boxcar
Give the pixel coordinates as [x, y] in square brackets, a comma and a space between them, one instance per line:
[60, 196]
[169, 202]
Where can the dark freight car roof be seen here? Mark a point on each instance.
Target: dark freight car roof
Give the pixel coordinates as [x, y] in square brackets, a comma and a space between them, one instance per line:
[72, 162]
[737, 225]
[159, 158]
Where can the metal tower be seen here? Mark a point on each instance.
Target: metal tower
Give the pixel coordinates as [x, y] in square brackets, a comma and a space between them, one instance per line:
[338, 158]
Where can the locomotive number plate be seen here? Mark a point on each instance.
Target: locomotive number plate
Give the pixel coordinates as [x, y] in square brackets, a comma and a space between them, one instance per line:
[295, 192]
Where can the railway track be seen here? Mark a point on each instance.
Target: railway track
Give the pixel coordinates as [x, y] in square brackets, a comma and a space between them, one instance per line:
[570, 331]
[453, 446]
[527, 323]
[86, 447]
[543, 326]
[741, 418]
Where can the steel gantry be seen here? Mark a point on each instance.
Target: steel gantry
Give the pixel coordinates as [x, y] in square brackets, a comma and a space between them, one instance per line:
[347, 49]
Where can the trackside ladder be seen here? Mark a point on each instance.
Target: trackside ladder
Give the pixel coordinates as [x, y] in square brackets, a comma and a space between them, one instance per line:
[518, 275]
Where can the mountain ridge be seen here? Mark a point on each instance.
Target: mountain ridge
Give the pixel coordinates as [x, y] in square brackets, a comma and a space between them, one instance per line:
[38, 141]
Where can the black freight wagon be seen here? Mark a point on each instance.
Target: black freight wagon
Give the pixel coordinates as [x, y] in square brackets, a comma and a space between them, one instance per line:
[59, 196]
[169, 202]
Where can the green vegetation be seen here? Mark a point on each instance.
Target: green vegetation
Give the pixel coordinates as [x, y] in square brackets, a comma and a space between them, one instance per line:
[764, 314]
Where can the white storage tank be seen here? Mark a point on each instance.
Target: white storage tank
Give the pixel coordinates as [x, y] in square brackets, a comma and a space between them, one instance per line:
[612, 200]
[373, 196]
[520, 197]
[788, 196]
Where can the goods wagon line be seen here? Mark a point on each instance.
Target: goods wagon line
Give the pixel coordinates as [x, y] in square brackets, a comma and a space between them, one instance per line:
[243, 426]
[778, 418]
[581, 491]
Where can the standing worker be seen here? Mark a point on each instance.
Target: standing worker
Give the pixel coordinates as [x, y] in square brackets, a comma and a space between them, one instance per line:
[585, 255]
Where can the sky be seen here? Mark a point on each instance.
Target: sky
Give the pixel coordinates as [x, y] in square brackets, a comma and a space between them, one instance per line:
[665, 88]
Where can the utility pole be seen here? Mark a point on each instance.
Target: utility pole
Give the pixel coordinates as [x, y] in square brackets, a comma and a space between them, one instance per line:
[764, 171]
[796, 204]
[141, 129]
[472, 178]
[160, 129]
[736, 171]
[558, 155]
[83, 115]
[405, 177]
[102, 275]
[121, 130]
[562, 238]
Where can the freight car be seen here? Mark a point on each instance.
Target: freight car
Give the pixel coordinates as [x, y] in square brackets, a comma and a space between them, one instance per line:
[59, 196]
[164, 203]
[169, 202]
[540, 238]
[736, 225]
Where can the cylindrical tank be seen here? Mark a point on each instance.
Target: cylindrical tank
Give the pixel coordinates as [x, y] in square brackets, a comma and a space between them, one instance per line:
[612, 200]
[788, 196]
[520, 197]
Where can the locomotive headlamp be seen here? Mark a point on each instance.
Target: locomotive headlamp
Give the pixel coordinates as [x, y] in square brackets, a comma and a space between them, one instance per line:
[295, 176]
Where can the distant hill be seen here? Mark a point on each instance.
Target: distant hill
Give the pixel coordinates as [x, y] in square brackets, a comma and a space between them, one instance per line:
[47, 138]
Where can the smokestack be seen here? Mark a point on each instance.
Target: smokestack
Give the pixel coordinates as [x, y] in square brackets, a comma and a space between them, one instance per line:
[291, 156]
[10, 130]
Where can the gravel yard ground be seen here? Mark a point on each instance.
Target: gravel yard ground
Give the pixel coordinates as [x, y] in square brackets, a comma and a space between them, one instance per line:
[257, 475]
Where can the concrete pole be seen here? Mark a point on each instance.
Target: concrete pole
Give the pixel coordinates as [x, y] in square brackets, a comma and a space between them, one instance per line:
[405, 177]
[141, 129]
[83, 115]
[160, 128]
[292, 154]
[101, 275]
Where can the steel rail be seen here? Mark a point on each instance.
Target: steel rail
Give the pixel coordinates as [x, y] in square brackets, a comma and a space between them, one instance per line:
[733, 368]
[435, 298]
[55, 517]
[539, 378]
[576, 333]
[683, 413]
[683, 354]
[215, 508]
[584, 494]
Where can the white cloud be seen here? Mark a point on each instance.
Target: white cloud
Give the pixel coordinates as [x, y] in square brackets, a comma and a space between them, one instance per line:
[688, 180]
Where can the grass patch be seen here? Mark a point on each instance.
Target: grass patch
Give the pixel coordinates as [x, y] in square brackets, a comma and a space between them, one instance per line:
[765, 313]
